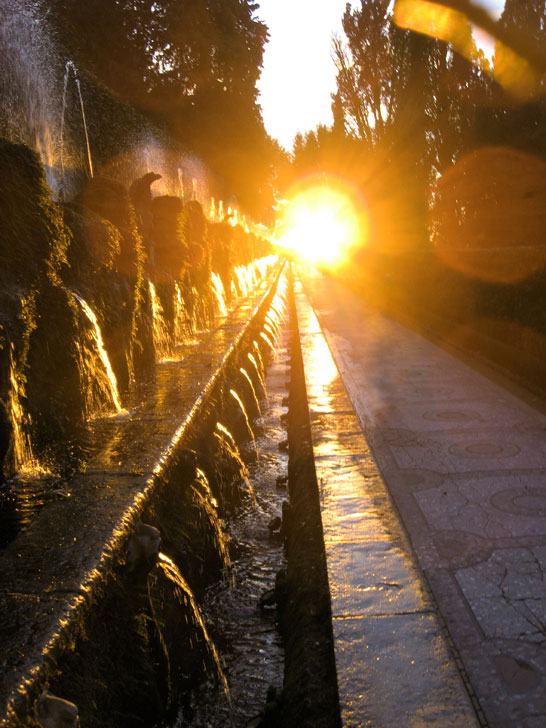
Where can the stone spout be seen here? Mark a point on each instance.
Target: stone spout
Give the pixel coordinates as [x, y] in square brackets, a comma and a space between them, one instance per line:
[143, 547]
[54, 712]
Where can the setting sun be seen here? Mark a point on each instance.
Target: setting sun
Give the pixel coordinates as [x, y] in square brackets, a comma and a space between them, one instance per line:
[322, 221]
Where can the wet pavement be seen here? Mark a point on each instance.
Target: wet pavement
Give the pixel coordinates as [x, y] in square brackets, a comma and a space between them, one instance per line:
[464, 461]
[392, 661]
[53, 570]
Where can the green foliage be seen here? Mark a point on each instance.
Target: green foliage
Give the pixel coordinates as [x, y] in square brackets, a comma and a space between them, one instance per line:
[170, 243]
[96, 242]
[33, 239]
[190, 66]
[528, 17]
[146, 51]
[55, 401]
[110, 200]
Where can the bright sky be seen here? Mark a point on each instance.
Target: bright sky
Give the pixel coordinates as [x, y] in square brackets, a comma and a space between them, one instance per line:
[299, 75]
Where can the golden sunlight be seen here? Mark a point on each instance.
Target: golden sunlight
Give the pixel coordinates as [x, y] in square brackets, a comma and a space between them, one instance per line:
[323, 220]
[448, 22]
[437, 21]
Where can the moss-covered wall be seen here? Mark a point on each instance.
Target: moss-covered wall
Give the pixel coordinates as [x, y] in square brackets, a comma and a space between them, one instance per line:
[143, 647]
[33, 247]
[105, 246]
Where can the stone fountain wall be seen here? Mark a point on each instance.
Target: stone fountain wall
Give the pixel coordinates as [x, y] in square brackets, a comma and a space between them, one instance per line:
[74, 226]
[76, 126]
[101, 248]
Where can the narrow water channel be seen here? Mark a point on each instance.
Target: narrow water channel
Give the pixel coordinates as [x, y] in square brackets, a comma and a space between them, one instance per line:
[245, 633]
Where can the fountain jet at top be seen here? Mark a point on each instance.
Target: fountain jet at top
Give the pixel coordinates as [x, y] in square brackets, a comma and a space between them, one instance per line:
[71, 67]
[31, 91]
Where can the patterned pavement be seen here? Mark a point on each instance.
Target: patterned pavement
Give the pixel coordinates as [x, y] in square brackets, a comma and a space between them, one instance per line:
[464, 461]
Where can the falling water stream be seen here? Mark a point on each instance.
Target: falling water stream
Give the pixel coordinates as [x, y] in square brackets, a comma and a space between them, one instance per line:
[242, 280]
[182, 318]
[258, 357]
[162, 339]
[259, 374]
[246, 635]
[98, 379]
[217, 288]
[228, 446]
[27, 490]
[267, 340]
[22, 455]
[208, 505]
[252, 388]
[242, 407]
[185, 596]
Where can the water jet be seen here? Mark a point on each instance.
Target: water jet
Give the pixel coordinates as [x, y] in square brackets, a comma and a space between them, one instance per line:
[70, 67]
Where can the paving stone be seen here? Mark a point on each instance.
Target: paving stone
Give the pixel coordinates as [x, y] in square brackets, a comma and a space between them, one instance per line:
[464, 460]
[507, 594]
[373, 577]
[397, 671]
[392, 662]
[495, 506]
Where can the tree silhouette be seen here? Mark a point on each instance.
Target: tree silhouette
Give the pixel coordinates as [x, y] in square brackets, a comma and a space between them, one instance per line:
[192, 67]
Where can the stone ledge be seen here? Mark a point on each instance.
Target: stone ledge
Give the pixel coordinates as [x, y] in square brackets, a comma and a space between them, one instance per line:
[57, 568]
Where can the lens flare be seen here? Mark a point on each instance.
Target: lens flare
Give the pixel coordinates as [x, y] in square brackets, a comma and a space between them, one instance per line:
[518, 69]
[437, 21]
[488, 218]
[323, 221]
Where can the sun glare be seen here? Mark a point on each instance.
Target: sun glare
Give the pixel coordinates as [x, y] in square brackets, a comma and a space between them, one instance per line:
[322, 222]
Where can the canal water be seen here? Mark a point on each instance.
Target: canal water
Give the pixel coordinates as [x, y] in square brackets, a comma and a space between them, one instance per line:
[245, 633]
